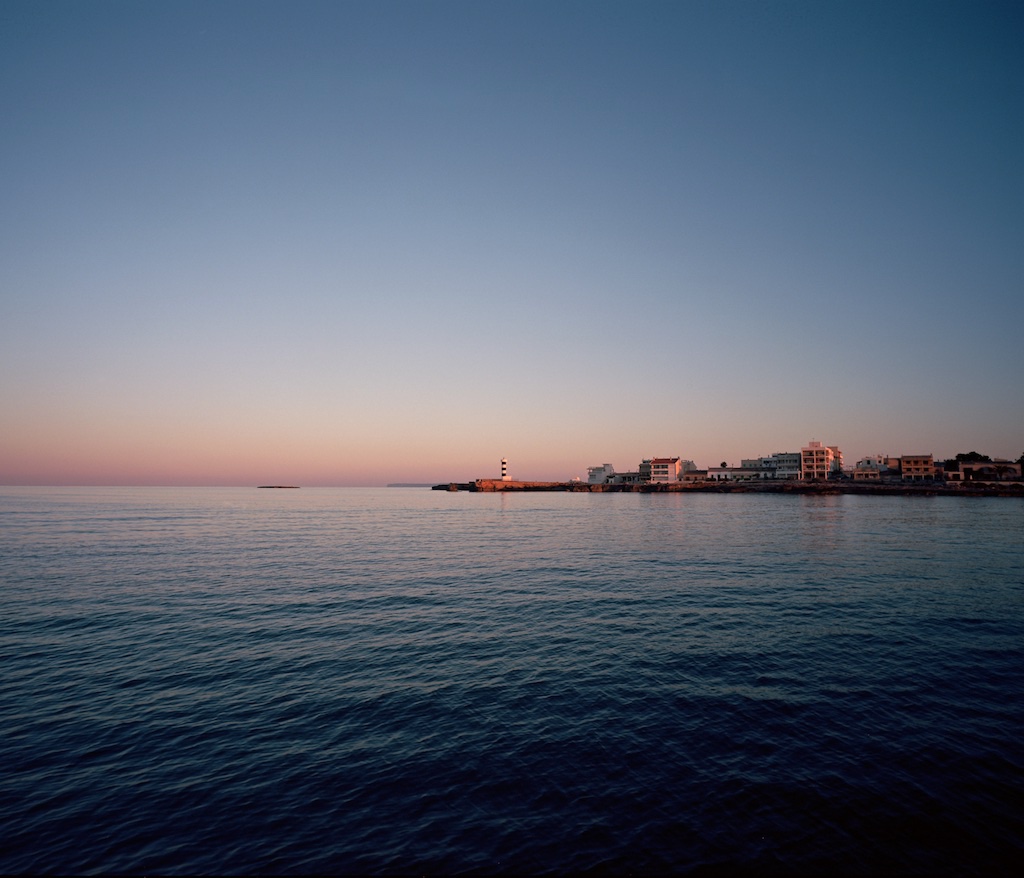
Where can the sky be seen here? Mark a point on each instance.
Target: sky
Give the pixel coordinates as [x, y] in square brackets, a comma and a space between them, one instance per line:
[353, 243]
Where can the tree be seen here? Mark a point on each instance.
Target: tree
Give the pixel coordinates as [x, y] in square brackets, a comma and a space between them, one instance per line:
[973, 457]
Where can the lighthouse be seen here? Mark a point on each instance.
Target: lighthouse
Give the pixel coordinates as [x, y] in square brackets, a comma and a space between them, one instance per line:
[504, 470]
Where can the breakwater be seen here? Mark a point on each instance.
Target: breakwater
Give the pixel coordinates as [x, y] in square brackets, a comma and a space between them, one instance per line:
[960, 489]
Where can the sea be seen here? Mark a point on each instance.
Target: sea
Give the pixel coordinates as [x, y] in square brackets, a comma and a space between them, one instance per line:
[405, 681]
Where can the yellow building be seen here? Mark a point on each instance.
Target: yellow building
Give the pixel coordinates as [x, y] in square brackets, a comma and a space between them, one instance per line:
[917, 467]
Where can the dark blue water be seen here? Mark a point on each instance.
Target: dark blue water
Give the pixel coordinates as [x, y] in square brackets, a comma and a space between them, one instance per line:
[381, 681]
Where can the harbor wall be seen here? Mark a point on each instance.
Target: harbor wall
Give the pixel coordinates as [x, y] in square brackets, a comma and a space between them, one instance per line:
[754, 487]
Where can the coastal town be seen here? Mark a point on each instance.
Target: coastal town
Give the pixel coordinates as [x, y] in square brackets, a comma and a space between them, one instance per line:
[814, 468]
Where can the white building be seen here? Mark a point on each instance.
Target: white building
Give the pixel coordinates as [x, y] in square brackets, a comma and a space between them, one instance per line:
[781, 465]
[666, 469]
[870, 468]
[742, 473]
[600, 475]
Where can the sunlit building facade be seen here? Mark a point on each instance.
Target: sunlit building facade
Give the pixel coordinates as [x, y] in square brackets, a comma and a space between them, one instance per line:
[819, 461]
[666, 469]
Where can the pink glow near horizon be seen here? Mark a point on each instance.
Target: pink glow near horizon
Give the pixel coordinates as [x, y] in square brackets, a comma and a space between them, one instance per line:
[405, 252]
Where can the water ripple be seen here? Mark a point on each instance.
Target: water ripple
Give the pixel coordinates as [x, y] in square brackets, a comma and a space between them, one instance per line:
[395, 681]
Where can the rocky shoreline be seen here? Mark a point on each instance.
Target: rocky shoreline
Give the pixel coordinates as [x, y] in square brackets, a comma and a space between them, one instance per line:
[960, 489]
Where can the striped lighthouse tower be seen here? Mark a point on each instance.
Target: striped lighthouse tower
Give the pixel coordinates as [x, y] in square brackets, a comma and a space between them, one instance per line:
[504, 470]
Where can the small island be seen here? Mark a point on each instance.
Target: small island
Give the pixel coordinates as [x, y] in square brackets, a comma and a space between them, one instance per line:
[277, 487]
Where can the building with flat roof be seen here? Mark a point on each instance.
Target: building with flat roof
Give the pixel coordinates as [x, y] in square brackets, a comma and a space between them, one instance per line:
[997, 470]
[917, 467]
[741, 473]
[781, 465]
[666, 469]
[819, 461]
[869, 469]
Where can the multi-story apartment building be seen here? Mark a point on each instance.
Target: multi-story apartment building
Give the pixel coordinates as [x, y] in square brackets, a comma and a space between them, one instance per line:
[787, 464]
[917, 467]
[666, 469]
[819, 461]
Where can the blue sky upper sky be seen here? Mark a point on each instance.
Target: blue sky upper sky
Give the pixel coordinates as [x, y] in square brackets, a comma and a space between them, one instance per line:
[353, 243]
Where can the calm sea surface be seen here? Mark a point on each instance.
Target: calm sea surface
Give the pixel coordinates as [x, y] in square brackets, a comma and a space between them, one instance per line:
[400, 680]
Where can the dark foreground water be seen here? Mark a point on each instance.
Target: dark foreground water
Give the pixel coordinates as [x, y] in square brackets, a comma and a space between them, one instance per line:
[238, 681]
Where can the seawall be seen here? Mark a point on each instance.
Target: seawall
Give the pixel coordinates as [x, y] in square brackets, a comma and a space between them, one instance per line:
[1009, 489]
